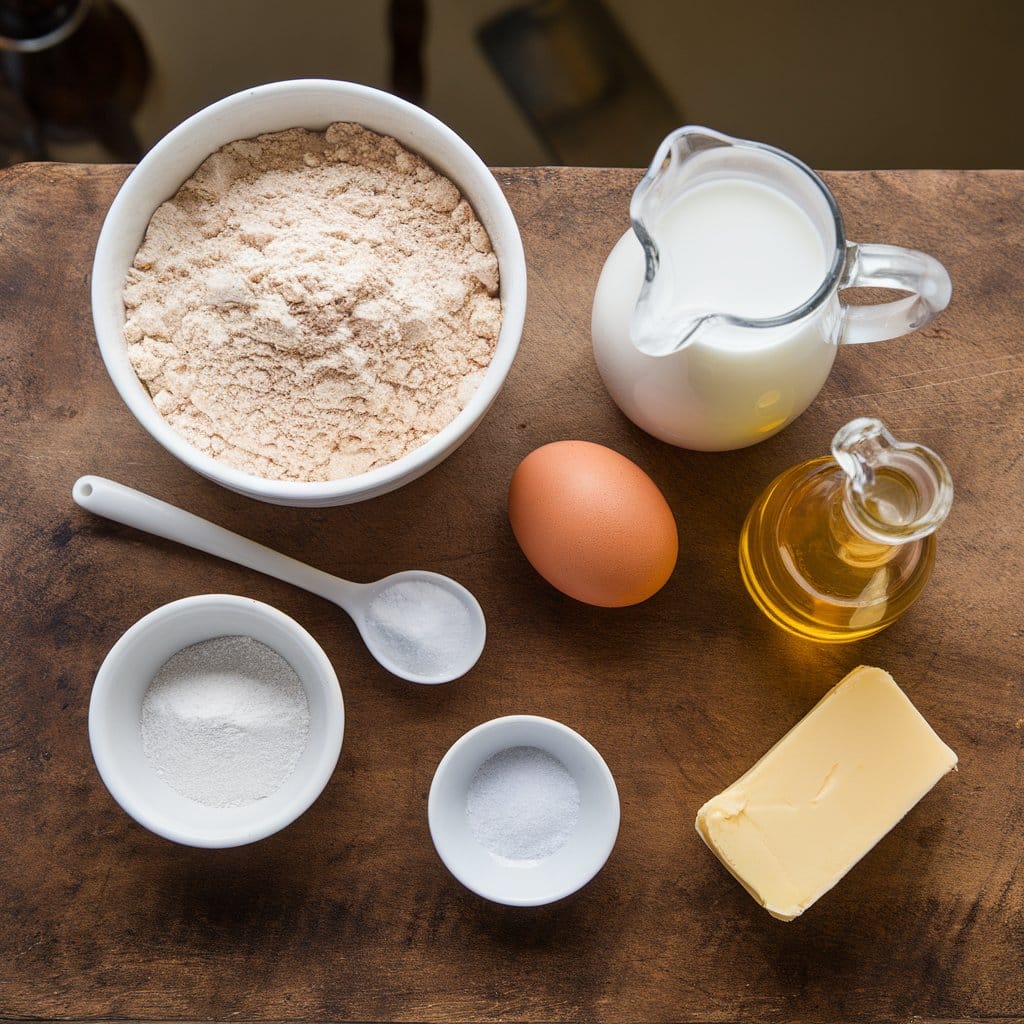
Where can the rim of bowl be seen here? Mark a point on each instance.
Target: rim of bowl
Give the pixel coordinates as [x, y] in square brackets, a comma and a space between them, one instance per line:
[512, 291]
[104, 690]
[610, 791]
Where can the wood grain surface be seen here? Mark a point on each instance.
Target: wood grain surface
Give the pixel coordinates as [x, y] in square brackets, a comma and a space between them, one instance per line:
[348, 914]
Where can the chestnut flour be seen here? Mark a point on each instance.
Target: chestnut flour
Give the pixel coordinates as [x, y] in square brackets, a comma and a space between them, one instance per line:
[312, 305]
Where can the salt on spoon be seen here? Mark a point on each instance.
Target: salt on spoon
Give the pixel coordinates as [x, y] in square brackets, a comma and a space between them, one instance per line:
[421, 626]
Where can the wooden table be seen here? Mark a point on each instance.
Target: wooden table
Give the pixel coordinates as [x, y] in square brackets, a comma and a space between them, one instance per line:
[349, 914]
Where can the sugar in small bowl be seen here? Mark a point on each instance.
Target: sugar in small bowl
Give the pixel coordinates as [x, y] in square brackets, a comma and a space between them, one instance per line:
[523, 810]
[216, 721]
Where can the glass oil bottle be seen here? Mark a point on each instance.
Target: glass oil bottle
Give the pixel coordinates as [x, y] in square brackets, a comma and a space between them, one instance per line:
[839, 547]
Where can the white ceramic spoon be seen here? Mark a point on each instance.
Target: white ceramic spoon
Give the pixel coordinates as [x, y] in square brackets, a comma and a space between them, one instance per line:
[421, 626]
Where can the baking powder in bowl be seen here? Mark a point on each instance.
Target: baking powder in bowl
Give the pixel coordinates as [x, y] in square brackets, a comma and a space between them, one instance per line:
[225, 721]
[312, 305]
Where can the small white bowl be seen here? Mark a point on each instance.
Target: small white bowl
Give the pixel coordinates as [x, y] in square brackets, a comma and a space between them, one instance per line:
[312, 104]
[115, 712]
[530, 883]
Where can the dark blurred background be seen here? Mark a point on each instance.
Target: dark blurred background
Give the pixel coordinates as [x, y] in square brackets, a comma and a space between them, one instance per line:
[914, 83]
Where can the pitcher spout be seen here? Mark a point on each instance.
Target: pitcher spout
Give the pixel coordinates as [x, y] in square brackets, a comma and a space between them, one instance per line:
[657, 326]
[655, 336]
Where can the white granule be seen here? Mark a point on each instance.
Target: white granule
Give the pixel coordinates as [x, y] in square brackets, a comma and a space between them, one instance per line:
[312, 305]
[425, 628]
[225, 721]
[523, 804]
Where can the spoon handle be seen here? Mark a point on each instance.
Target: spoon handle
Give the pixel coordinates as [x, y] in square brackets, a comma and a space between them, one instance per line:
[125, 505]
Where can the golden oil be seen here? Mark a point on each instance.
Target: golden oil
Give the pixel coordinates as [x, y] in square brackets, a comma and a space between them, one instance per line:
[839, 547]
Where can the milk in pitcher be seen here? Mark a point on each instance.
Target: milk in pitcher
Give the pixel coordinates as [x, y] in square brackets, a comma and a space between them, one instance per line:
[734, 247]
[717, 317]
[742, 248]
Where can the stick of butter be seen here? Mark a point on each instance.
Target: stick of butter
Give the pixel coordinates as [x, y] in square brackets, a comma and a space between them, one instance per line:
[826, 793]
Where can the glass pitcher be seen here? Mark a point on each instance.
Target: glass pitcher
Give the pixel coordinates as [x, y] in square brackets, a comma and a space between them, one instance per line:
[719, 370]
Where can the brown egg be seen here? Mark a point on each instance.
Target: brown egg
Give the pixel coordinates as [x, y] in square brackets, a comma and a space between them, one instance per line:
[592, 523]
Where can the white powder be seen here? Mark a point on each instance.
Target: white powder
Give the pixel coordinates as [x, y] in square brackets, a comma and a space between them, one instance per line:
[523, 804]
[312, 305]
[425, 628]
[225, 721]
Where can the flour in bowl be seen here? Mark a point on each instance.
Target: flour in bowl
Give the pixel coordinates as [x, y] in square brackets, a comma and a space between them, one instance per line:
[312, 305]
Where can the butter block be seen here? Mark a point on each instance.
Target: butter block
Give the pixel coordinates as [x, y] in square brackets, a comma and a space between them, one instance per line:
[826, 793]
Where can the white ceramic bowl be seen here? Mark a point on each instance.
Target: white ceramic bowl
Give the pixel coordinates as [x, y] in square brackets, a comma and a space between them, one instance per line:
[313, 104]
[115, 712]
[527, 884]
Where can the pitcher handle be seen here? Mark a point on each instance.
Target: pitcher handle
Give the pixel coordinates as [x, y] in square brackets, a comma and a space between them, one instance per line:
[891, 266]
